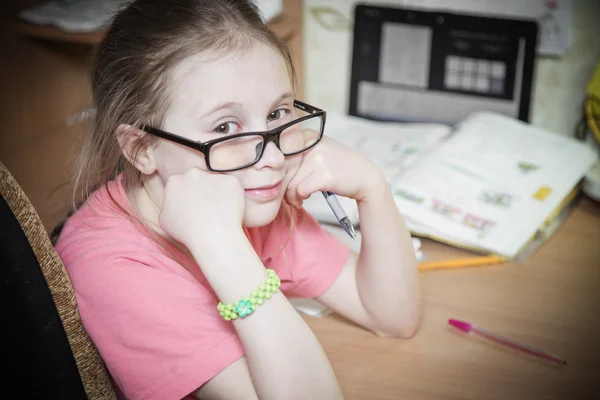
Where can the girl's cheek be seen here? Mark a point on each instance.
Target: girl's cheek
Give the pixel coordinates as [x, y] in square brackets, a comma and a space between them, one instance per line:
[293, 165]
[179, 161]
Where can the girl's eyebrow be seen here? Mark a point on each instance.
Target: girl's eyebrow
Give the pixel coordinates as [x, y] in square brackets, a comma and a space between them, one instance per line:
[285, 96]
[233, 104]
[221, 106]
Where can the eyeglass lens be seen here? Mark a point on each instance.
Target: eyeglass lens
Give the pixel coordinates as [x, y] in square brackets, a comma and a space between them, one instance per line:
[241, 151]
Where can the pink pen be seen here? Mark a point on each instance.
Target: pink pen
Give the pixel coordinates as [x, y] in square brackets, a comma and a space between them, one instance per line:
[467, 327]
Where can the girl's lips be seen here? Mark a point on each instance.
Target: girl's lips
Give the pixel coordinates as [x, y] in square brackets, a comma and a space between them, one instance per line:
[265, 192]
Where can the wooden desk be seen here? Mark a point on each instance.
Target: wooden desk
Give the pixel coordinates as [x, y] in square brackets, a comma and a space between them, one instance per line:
[552, 301]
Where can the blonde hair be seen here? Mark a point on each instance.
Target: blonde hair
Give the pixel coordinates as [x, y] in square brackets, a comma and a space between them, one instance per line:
[130, 77]
[130, 81]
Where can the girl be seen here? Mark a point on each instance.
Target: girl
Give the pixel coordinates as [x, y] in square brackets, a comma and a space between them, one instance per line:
[193, 237]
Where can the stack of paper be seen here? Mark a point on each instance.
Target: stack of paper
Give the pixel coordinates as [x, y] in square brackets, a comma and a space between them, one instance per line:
[493, 183]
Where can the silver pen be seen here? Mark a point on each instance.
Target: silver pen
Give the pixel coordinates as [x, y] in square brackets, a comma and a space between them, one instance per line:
[339, 213]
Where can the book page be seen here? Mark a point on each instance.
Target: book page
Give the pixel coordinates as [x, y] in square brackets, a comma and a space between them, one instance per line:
[493, 183]
[392, 146]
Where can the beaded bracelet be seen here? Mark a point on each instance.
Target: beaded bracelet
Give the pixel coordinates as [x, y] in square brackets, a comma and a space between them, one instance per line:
[247, 304]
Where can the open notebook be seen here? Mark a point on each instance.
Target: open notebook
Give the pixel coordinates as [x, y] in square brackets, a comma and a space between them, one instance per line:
[489, 184]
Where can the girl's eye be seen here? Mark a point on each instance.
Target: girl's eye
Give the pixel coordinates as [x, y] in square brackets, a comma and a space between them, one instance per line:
[226, 128]
[276, 115]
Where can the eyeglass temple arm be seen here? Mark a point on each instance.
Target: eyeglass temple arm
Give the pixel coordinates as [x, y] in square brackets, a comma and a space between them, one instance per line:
[174, 138]
[306, 107]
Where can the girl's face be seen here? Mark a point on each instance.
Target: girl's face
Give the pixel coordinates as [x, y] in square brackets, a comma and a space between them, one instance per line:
[246, 91]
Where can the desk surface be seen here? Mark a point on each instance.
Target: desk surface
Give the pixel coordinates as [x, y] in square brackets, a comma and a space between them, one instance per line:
[551, 301]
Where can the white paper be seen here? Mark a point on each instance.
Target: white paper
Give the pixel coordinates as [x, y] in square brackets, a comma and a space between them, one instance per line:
[553, 16]
[479, 187]
[310, 307]
[92, 15]
[269, 8]
[74, 15]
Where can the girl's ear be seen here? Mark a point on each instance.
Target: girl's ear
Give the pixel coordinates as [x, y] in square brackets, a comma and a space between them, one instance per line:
[129, 138]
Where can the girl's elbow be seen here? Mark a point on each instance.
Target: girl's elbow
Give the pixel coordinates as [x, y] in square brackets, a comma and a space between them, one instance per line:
[404, 330]
[403, 333]
[409, 331]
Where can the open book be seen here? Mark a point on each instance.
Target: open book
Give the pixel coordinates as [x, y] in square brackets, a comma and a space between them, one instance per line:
[487, 184]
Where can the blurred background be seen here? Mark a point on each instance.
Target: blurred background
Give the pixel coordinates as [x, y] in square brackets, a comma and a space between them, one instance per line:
[559, 80]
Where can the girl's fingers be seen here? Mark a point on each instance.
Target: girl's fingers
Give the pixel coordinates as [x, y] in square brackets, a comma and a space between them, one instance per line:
[309, 185]
[302, 189]
[292, 190]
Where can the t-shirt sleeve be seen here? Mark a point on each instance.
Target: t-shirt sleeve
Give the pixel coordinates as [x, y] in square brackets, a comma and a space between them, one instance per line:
[158, 332]
[312, 257]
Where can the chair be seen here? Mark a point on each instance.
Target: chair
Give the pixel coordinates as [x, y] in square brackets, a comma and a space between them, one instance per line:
[46, 350]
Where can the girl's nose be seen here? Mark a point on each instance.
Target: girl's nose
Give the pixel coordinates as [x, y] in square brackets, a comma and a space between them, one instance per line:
[271, 158]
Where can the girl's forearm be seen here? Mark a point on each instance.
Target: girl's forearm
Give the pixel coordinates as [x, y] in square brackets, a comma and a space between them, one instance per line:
[284, 358]
[387, 274]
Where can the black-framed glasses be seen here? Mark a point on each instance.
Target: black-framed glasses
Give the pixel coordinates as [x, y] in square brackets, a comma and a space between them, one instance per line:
[242, 150]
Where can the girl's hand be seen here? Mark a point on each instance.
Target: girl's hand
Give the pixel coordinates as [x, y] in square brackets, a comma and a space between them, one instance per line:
[200, 205]
[331, 166]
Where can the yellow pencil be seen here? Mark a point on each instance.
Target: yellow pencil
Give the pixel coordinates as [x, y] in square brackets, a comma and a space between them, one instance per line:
[461, 262]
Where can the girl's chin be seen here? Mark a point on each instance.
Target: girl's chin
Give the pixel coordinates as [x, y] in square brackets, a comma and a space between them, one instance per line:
[261, 214]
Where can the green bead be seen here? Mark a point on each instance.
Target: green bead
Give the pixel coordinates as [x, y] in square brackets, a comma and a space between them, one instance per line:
[262, 287]
[267, 295]
[261, 295]
[254, 294]
[230, 307]
[227, 318]
[253, 300]
[234, 316]
[227, 314]
[244, 308]
[260, 302]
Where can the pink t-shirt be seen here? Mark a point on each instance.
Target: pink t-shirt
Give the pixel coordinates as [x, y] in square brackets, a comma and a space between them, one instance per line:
[154, 320]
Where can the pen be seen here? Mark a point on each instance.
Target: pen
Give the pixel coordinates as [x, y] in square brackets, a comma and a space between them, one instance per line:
[461, 262]
[339, 213]
[467, 327]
